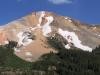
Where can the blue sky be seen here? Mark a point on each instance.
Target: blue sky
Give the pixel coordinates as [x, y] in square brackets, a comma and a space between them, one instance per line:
[84, 10]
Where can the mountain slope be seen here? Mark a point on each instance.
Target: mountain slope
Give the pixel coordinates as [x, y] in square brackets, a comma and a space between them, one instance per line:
[31, 33]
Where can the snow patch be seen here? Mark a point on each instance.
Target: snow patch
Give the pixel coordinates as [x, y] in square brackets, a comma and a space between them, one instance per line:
[19, 35]
[6, 42]
[98, 35]
[16, 50]
[28, 54]
[27, 42]
[67, 46]
[71, 37]
[46, 27]
[94, 28]
[40, 19]
[69, 19]
[33, 28]
[66, 18]
[24, 38]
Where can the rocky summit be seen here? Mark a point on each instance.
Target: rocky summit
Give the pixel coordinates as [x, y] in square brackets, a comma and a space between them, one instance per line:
[31, 33]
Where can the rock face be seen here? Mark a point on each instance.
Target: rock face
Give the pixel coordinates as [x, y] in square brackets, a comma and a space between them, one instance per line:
[31, 33]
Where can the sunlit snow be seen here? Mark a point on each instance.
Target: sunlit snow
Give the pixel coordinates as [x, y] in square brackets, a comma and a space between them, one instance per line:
[73, 38]
[28, 53]
[42, 14]
[6, 42]
[68, 18]
[67, 46]
[46, 27]
[23, 39]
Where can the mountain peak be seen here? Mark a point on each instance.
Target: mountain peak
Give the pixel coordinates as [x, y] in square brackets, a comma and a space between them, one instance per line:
[31, 33]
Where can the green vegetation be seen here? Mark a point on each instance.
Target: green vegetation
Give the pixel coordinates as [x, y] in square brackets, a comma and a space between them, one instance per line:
[65, 62]
[9, 59]
[70, 62]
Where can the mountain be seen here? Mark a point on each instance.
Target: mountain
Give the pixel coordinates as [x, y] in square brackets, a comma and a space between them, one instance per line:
[32, 32]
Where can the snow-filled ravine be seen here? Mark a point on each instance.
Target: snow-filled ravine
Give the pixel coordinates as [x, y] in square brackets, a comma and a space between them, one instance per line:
[71, 37]
[24, 38]
[46, 27]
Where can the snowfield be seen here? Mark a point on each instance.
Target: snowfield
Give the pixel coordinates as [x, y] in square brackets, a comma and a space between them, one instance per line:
[46, 27]
[24, 38]
[69, 19]
[40, 21]
[71, 37]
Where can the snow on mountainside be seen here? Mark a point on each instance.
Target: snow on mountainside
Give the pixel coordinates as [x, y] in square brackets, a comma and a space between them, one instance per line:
[71, 37]
[46, 24]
